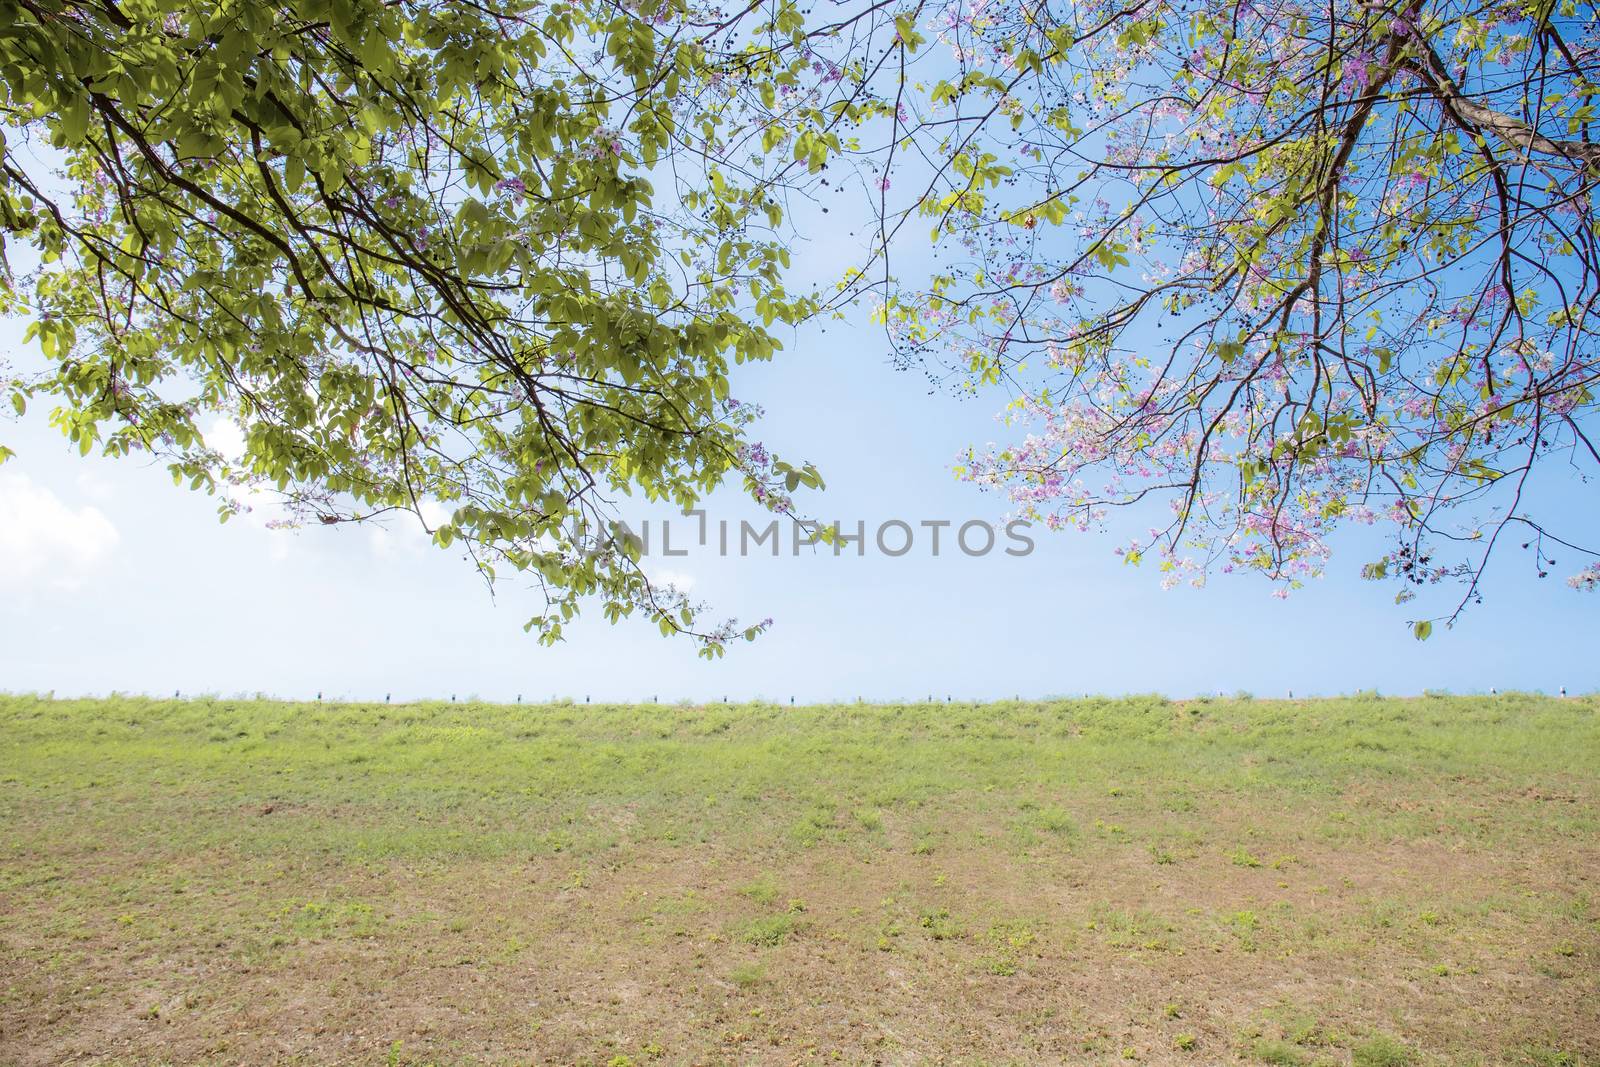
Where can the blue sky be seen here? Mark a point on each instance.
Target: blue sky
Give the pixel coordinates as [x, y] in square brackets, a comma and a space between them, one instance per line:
[113, 579]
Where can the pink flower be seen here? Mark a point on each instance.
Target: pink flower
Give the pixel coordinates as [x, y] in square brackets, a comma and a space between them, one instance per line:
[1357, 72]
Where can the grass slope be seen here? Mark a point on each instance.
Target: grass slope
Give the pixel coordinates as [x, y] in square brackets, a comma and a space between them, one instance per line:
[1357, 881]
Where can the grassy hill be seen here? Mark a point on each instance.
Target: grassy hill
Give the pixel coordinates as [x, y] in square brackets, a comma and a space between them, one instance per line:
[1363, 880]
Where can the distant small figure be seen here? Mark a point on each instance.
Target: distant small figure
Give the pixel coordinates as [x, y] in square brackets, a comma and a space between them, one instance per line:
[1493, 691]
[452, 698]
[319, 696]
[174, 694]
[1563, 690]
[1291, 694]
[791, 701]
[519, 698]
[586, 699]
[386, 698]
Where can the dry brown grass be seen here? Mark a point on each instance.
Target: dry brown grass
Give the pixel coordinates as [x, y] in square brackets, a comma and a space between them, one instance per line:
[1435, 917]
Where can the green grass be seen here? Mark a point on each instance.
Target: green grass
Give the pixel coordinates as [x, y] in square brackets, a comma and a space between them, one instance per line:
[1036, 879]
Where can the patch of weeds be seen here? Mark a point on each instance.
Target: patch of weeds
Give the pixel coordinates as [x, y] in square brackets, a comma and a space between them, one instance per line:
[938, 923]
[999, 966]
[1181, 801]
[1244, 926]
[1008, 940]
[317, 920]
[1242, 857]
[1540, 1056]
[812, 827]
[1023, 835]
[1162, 855]
[1281, 1053]
[747, 975]
[869, 819]
[764, 890]
[689, 903]
[555, 841]
[1056, 820]
[1384, 914]
[1576, 907]
[1314, 929]
[1304, 1029]
[769, 931]
[1014, 934]
[1132, 929]
[1380, 1051]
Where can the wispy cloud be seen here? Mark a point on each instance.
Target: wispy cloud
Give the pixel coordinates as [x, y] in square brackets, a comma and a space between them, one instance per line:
[45, 541]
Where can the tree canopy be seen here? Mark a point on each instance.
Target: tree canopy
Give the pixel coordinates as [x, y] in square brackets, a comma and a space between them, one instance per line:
[416, 252]
[1274, 269]
[1262, 271]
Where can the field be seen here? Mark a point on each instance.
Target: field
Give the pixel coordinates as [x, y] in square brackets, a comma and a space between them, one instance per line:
[1369, 881]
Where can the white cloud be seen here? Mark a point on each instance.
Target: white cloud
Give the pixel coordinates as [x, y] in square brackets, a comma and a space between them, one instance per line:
[401, 535]
[434, 513]
[44, 539]
[385, 545]
[680, 580]
[225, 436]
[399, 538]
[93, 487]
